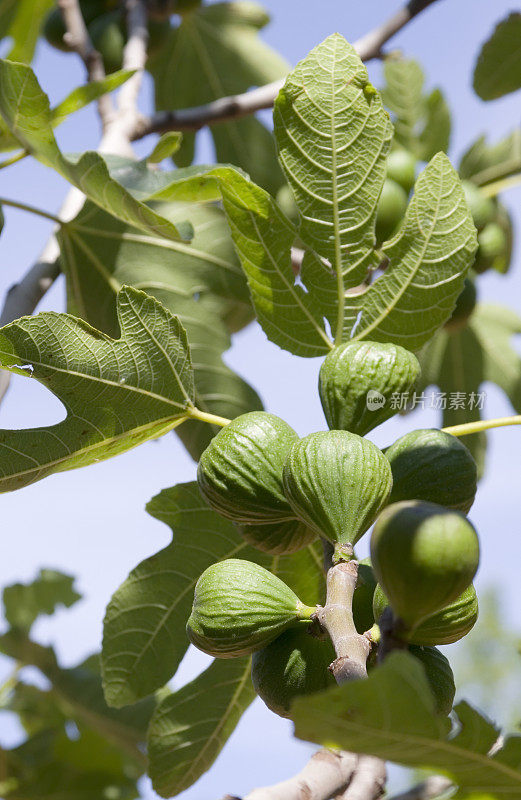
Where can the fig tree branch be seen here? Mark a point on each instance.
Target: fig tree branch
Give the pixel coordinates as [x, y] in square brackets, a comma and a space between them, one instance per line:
[119, 133]
[336, 617]
[23, 297]
[77, 37]
[428, 789]
[368, 781]
[241, 105]
[325, 774]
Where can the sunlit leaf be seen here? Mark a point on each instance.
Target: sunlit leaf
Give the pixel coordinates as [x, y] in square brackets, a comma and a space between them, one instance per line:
[117, 393]
[391, 715]
[201, 282]
[25, 109]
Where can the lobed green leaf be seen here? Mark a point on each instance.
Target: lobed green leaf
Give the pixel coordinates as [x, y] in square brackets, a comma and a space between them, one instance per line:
[144, 631]
[117, 393]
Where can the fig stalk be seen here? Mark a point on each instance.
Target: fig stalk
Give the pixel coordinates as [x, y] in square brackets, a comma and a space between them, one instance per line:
[336, 617]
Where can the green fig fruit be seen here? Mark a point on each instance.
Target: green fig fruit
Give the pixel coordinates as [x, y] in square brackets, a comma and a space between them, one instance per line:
[482, 208]
[444, 627]
[54, 31]
[336, 482]
[424, 556]
[465, 305]
[295, 664]
[240, 607]
[278, 538]
[391, 209]
[108, 38]
[358, 380]
[433, 466]
[363, 596]
[401, 167]
[492, 241]
[439, 675]
[240, 472]
[54, 26]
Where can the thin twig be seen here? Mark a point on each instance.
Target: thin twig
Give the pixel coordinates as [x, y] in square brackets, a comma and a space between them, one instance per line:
[433, 786]
[78, 39]
[127, 118]
[240, 105]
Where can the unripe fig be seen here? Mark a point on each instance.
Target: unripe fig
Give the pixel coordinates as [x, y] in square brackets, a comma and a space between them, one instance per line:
[433, 466]
[465, 305]
[54, 31]
[363, 596]
[391, 209]
[240, 607]
[295, 664]
[482, 208]
[54, 26]
[492, 241]
[240, 472]
[424, 556]
[357, 381]
[336, 482]
[401, 167]
[439, 675]
[444, 627]
[278, 538]
[108, 38]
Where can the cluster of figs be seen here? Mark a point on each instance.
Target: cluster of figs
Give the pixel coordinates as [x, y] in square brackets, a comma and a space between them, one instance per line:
[284, 492]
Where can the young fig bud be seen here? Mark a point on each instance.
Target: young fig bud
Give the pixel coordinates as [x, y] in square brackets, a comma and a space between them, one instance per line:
[424, 557]
[295, 664]
[240, 472]
[358, 380]
[278, 538]
[434, 466]
[336, 482]
[445, 626]
[439, 675]
[240, 607]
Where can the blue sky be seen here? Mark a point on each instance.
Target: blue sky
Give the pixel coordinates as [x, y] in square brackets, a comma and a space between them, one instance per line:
[92, 523]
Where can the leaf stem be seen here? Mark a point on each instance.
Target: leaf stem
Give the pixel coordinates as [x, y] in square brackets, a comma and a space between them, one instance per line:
[482, 425]
[14, 159]
[205, 416]
[495, 188]
[4, 201]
